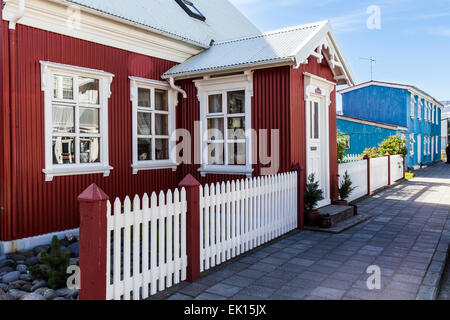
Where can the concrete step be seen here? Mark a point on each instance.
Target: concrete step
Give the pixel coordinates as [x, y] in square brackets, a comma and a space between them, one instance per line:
[338, 213]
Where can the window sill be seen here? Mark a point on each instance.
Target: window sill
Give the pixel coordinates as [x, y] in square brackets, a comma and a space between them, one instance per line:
[154, 166]
[61, 172]
[226, 171]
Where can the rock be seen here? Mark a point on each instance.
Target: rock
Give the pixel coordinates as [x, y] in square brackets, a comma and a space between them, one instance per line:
[59, 299]
[64, 242]
[22, 268]
[27, 287]
[3, 286]
[11, 277]
[32, 296]
[16, 256]
[5, 297]
[6, 270]
[73, 261]
[17, 294]
[50, 294]
[17, 284]
[39, 249]
[31, 261]
[41, 291]
[38, 285]
[7, 263]
[64, 249]
[26, 277]
[28, 253]
[71, 237]
[73, 248]
[67, 293]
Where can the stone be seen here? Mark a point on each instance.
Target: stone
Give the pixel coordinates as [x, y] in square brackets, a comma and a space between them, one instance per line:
[26, 277]
[37, 250]
[7, 263]
[67, 293]
[50, 294]
[3, 286]
[38, 285]
[17, 294]
[5, 297]
[16, 256]
[31, 261]
[27, 287]
[41, 291]
[22, 268]
[17, 284]
[6, 270]
[64, 242]
[71, 237]
[73, 261]
[11, 277]
[73, 248]
[32, 296]
[28, 253]
[64, 249]
[60, 299]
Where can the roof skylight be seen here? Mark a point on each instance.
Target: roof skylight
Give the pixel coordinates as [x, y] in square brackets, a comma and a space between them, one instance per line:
[191, 10]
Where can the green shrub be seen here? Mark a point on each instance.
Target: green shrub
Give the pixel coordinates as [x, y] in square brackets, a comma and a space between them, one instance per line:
[371, 152]
[346, 188]
[54, 266]
[394, 145]
[341, 146]
[313, 194]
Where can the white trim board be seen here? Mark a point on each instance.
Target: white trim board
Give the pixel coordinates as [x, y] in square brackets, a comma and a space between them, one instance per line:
[32, 242]
[370, 123]
[105, 30]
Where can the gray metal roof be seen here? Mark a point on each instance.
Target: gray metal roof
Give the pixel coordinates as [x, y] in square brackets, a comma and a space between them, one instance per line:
[270, 47]
[223, 20]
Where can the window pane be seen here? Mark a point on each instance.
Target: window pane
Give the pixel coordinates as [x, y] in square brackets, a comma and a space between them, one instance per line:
[144, 149]
[215, 153]
[63, 119]
[89, 120]
[63, 88]
[236, 102]
[215, 103]
[215, 129]
[144, 124]
[161, 100]
[316, 120]
[89, 150]
[311, 123]
[63, 150]
[236, 153]
[89, 90]
[236, 128]
[144, 98]
[162, 124]
[162, 149]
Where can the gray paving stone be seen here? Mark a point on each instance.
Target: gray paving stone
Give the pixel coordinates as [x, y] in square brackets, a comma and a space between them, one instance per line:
[328, 293]
[239, 281]
[179, 296]
[223, 289]
[257, 291]
[193, 289]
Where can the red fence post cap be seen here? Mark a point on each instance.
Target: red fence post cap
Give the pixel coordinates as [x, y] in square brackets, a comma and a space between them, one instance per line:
[189, 181]
[366, 157]
[387, 154]
[93, 193]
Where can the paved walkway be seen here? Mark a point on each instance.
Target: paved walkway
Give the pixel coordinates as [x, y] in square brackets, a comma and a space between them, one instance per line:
[407, 238]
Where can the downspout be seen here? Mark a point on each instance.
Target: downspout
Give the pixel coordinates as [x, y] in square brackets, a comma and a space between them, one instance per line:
[3, 205]
[176, 88]
[13, 101]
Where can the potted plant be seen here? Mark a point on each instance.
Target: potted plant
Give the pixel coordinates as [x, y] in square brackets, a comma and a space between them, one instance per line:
[313, 194]
[344, 190]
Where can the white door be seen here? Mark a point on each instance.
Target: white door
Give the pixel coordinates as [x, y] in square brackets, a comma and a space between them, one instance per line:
[317, 147]
[419, 149]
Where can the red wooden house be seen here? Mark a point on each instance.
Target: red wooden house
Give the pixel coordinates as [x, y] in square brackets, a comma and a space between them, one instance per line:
[93, 91]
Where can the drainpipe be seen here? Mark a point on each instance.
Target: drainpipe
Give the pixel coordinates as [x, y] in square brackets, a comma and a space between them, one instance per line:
[172, 84]
[13, 101]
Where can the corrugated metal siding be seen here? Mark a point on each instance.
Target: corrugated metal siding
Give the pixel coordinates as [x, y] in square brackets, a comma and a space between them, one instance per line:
[41, 206]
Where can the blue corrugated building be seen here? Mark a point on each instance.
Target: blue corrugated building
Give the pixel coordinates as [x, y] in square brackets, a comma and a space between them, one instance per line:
[415, 112]
[362, 134]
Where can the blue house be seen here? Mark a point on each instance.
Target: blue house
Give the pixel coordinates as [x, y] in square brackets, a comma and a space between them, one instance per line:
[401, 105]
[362, 134]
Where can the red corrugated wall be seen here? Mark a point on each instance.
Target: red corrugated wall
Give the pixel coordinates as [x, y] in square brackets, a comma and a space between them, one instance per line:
[42, 207]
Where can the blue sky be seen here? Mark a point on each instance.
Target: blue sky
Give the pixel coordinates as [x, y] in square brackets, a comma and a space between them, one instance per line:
[412, 45]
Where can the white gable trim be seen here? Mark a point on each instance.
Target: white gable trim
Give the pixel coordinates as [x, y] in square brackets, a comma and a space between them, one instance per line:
[370, 123]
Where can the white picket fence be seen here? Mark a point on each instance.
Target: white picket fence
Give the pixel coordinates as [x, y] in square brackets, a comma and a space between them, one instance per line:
[146, 245]
[351, 158]
[357, 171]
[239, 216]
[397, 170]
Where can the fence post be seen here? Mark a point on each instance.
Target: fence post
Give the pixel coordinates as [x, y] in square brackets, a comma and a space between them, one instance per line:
[300, 198]
[93, 238]
[192, 226]
[388, 155]
[366, 157]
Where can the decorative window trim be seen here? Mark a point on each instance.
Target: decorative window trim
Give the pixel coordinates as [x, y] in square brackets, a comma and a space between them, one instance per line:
[413, 106]
[208, 86]
[419, 109]
[412, 143]
[135, 84]
[48, 69]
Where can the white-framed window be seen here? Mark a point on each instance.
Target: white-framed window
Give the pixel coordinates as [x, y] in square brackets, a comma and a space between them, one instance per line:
[153, 106]
[419, 108]
[412, 142]
[225, 113]
[413, 106]
[437, 145]
[76, 120]
[433, 117]
[429, 145]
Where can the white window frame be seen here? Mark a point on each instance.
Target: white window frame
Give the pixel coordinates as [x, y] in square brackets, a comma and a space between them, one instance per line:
[437, 145]
[433, 118]
[48, 70]
[413, 106]
[152, 85]
[419, 108]
[222, 85]
[412, 142]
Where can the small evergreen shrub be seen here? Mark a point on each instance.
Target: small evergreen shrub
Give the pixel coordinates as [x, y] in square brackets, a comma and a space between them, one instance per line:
[345, 189]
[313, 193]
[53, 266]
